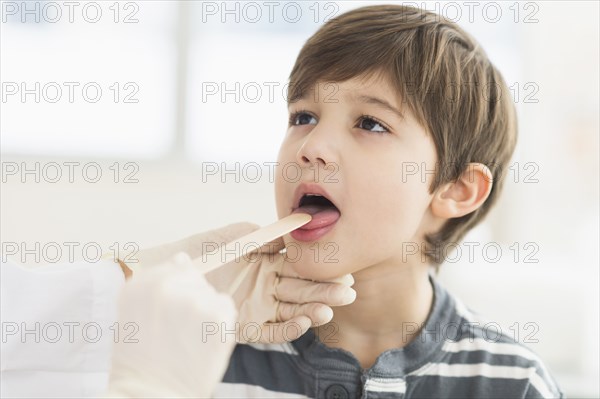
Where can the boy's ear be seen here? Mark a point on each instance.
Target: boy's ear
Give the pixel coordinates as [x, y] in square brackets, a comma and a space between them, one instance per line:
[456, 199]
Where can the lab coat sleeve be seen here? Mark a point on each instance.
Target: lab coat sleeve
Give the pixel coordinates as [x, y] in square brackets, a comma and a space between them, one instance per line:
[58, 328]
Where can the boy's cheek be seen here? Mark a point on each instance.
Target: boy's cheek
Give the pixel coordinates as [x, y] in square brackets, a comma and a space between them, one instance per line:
[283, 208]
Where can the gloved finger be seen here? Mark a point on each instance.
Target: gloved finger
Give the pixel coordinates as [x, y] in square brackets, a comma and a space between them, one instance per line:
[287, 270]
[346, 279]
[300, 291]
[278, 333]
[317, 312]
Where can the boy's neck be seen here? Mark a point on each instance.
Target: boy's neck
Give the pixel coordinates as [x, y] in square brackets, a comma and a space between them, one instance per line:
[391, 306]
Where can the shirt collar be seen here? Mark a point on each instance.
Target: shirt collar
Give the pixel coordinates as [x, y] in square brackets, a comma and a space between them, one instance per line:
[442, 323]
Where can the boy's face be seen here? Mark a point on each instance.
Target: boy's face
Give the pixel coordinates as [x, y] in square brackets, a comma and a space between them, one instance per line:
[374, 165]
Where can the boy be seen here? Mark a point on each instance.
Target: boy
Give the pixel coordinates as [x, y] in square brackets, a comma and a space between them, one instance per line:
[376, 93]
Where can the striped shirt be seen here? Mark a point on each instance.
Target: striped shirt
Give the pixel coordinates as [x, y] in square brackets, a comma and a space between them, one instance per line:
[455, 355]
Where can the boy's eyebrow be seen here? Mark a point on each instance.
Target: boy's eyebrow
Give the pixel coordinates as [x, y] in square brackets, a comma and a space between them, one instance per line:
[382, 103]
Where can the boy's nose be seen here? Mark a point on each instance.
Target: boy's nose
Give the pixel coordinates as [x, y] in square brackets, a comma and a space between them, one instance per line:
[309, 163]
[317, 148]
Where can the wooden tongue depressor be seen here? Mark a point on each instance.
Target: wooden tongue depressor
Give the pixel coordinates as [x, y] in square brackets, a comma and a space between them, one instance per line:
[251, 242]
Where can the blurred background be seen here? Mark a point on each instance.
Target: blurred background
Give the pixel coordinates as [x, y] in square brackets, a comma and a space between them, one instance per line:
[128, 124]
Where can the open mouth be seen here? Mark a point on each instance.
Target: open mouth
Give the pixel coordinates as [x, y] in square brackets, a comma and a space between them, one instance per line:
[314, 203]
[322, 210]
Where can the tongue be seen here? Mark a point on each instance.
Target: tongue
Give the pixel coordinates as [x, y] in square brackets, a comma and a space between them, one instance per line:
[321, 216]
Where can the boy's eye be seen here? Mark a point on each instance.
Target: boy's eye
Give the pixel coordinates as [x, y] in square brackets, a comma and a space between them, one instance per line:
[371, 124]
[302, 118]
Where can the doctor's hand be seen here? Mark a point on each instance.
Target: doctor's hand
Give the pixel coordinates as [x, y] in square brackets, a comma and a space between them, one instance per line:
[172, 353]
[274, 303]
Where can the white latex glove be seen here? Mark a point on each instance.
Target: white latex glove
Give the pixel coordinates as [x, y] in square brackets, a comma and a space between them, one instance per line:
[172, 305]
[274, 303]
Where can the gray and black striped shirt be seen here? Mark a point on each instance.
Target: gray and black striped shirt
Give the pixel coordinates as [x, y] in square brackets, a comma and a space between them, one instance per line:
[455, 355]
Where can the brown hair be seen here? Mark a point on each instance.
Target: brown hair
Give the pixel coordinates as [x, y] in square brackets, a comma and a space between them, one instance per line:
[444, 78]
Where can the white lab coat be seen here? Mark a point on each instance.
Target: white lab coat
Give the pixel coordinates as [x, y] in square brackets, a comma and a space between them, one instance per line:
[58, 327]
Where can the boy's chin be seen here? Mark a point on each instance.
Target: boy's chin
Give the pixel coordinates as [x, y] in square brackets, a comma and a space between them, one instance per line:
[317, 271]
